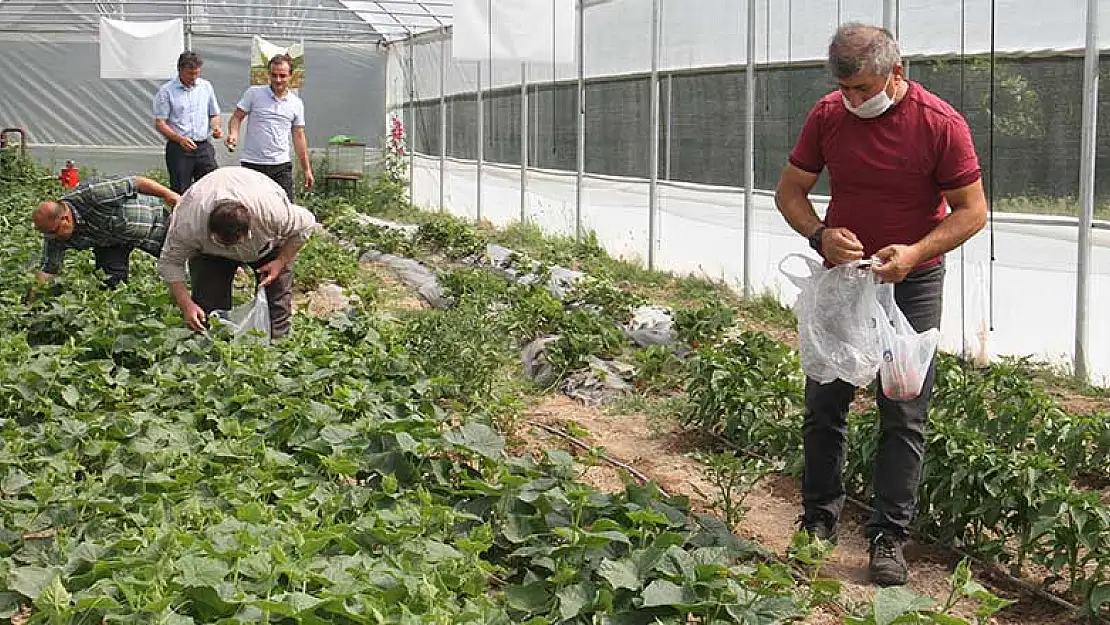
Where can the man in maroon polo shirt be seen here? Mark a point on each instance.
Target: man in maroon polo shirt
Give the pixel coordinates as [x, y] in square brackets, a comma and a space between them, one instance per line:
[906, 189]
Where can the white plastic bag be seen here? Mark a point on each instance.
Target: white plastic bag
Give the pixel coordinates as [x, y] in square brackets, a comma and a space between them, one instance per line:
[850, 328]
[906, 353]
[836, 313]
[252, 315]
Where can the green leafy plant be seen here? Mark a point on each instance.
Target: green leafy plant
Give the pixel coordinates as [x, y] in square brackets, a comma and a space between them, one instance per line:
[450, 236]
[703, 325]
[658, 369]
[601, 295]
[898, 605]
[322, 259]
[460, 350]
[582, 334]
[733, 479]
[748, 389]
[811, 553]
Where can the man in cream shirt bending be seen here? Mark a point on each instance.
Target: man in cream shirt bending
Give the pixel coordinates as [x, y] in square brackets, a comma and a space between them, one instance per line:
[232, 217]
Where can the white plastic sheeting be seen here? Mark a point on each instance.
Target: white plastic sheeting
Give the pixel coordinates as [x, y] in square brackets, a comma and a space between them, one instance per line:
[700, 232]
[713, 33]
[51, 87]
[140, 49]
[522, 30]
[293, 19]
[263, 50]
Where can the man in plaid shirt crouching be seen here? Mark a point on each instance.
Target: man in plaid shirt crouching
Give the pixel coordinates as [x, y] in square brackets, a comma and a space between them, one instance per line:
[111, 217]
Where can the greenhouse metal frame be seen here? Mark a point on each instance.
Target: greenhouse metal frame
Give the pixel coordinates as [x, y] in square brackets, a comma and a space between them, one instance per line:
[431, 87]
[665, 135]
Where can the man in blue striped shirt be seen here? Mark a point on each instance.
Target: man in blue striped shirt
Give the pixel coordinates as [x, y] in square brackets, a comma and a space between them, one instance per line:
[186, 114]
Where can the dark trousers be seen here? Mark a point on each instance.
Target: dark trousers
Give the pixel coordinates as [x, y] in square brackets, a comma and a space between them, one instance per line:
[187, 167]
[901, 448]
[212, 277]
[115, 262]
[281, 174]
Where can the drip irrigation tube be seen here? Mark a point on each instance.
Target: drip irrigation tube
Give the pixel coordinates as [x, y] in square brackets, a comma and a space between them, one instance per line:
[617, 463]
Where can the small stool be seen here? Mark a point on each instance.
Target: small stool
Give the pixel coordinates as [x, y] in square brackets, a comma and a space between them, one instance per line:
[345, 182]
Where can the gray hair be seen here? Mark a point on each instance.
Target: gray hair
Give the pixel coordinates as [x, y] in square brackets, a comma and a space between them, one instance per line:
[189, 60]
[859, 47]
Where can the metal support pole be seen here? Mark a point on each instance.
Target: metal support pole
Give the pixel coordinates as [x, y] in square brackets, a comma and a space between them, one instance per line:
[442, 124]
[580, 34]
[668, 86]
[523, 142]
[890, 16]
[412, 120]
[1088, 154]
[749, 150]
[534, 140]
[653, 148]
[481, 139]
[188, 24]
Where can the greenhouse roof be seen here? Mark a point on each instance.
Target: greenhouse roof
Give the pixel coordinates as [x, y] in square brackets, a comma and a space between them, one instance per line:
[330, 20]
[399, 18]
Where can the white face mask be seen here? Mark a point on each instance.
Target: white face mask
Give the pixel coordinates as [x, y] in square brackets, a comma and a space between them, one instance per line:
[874, 106]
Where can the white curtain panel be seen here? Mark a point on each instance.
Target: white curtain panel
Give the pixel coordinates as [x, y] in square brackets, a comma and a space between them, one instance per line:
[136, 50]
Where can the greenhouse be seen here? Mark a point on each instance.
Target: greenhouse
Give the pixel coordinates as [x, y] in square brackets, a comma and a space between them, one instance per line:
[547, 362]
[996, 64]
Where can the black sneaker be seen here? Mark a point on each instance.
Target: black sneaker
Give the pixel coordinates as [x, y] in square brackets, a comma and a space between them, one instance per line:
[818, 526]
[887, 566]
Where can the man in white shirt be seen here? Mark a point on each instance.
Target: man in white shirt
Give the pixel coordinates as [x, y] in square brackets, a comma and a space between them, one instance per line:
[186, 113]
[233, 216]
[273, 114]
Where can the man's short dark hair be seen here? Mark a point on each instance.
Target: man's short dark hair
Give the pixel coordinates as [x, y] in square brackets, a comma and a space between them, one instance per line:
[229, 221]
[280, 58]
[189, 60]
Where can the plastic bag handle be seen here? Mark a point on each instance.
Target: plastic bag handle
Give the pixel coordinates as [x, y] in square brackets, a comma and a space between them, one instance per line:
[799, 281]
[812, 264]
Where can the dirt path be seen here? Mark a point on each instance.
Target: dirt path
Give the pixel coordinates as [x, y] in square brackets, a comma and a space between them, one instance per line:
[663, 455]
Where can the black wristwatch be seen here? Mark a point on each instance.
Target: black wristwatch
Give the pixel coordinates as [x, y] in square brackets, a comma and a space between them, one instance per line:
[815, 239]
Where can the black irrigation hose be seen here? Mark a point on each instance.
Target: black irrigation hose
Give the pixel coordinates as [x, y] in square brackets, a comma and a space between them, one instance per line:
[992, 569]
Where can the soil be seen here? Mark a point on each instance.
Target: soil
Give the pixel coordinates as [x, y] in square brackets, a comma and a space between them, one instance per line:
[323, 302]
[1077, 403]
[664, 455]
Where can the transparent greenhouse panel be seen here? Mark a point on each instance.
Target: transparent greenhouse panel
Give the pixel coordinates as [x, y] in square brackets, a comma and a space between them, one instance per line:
[1026, 102]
